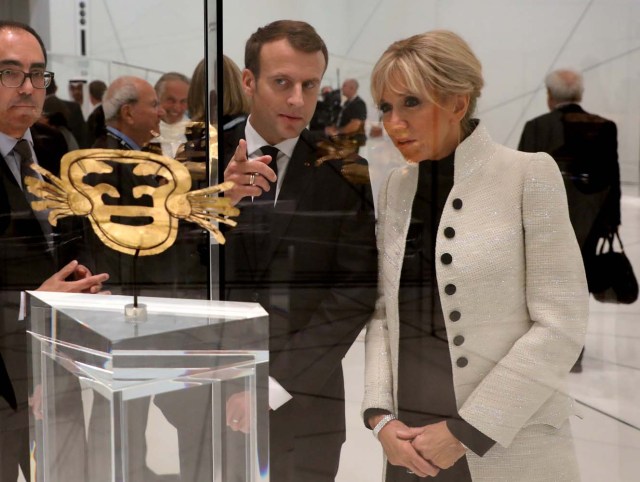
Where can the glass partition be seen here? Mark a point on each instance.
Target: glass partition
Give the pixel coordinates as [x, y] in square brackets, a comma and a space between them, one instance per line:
[184, 357]
[278, 255]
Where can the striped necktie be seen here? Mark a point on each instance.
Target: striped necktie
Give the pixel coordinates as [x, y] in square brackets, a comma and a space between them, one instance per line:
[26, 159]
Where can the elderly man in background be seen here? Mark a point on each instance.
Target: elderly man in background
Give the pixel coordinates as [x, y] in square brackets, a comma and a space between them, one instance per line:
[132, 114]
[585, 146]
[173, 90]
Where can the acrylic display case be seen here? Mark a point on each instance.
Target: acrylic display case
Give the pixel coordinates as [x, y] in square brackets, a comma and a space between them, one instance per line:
[95, 372]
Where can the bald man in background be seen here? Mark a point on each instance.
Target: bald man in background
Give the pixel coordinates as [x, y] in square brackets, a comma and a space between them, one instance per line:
[585, 146]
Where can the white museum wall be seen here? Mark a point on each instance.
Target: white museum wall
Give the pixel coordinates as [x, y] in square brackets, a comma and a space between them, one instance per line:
[518, 42]
[123, 37]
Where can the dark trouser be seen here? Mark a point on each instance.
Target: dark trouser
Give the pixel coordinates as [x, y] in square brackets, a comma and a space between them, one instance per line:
[458, 473]
[14, 442]
[297, 456]
[66, 455]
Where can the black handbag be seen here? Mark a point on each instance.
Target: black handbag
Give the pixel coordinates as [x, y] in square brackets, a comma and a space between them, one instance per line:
[611, 277]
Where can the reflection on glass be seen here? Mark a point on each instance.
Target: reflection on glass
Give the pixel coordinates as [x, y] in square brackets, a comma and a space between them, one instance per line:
[187, 359]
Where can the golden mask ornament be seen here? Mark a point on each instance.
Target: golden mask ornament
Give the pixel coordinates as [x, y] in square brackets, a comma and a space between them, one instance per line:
[133, 199]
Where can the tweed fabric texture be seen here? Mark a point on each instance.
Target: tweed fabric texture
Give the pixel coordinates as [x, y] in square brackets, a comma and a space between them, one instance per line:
[521, 298]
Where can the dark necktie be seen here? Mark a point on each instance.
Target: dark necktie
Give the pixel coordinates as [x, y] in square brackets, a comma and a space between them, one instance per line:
[26, 159]
[273, 152]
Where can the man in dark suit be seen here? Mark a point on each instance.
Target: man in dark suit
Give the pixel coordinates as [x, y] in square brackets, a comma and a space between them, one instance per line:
[30, 250]
[304, 249]
[95, 122]
[352, 116]
[585, 146]
[75, 120]
[132, 114]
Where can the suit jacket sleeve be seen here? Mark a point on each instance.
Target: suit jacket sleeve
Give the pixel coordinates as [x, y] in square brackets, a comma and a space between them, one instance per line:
[537, 364]
[342, 314]
[378, 373]
[611, 207]
[527, 139]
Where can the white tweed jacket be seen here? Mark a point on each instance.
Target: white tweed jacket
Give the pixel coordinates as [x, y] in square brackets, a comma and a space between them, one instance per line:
[514, 298]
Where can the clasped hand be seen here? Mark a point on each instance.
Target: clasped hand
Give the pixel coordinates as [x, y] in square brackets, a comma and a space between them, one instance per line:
[422, 450]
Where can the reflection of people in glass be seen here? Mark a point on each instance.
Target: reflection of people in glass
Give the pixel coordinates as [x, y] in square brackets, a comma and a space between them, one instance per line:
[95, 122]
[196, 98]
[483, 299]
[352, 115]
[327, 110]
[132, 114]
[235, 105]
[172, 90]
[304, 249]
[32, 252]
[585, 146]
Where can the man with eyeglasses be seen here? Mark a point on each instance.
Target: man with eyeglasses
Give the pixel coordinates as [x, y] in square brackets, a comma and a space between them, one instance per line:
[29, 250]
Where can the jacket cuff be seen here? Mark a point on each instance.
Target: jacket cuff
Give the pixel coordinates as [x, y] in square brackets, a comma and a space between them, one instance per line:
[470, 436]
[372, 412]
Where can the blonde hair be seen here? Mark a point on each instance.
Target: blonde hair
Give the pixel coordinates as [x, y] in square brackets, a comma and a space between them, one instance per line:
[197, 96]
[234, 101]
[434, 64]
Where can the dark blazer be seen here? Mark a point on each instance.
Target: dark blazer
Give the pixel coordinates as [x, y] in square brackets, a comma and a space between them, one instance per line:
[25, 262]
[311, 262]
[96, 126]
[355, 109]
[585, 147]
[77, 124]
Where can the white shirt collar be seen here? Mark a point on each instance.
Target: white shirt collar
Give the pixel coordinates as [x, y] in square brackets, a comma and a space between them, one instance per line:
[255, 141]
[7, 143]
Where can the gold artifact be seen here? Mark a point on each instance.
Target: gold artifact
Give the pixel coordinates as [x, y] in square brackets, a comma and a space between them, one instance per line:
[133, 199]
[346, 150]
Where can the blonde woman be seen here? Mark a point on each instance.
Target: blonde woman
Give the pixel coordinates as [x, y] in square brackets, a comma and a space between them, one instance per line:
[483, 298]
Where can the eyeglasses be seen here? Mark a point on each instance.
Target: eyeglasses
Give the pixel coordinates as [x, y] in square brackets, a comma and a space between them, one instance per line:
[40, 79]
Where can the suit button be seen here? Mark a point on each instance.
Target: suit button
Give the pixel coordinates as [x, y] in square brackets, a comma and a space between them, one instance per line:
[458, 340]
[457, 203]
[450, 289]
[454, 315]
[449, 232]
[462, 362]
[446, 258]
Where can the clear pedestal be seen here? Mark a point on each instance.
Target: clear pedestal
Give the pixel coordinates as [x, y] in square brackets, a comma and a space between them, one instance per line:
[95, 372]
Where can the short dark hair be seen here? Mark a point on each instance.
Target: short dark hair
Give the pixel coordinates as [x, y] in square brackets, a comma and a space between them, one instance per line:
[11, 25]
[300, 35]
[97, 89]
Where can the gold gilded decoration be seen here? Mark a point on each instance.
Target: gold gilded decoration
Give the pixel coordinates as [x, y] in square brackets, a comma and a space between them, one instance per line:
[133, 199]
[337, 147]
[193, 153]
[346, 150]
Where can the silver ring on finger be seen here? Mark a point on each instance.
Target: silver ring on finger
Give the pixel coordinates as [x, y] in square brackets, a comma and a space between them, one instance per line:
[252, 179]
